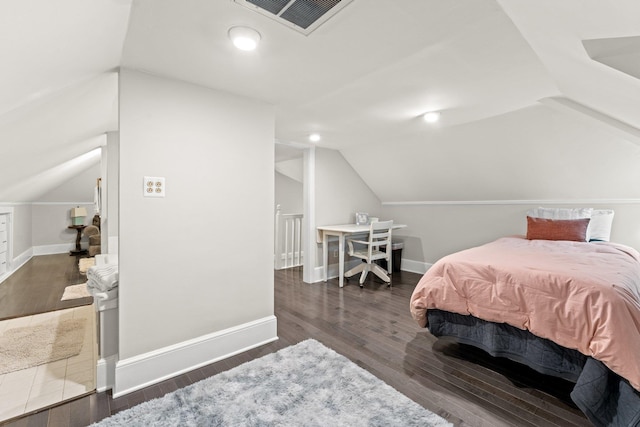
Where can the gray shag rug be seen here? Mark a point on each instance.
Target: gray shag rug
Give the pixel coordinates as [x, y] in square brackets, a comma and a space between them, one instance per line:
[303, 385]
[29, 346]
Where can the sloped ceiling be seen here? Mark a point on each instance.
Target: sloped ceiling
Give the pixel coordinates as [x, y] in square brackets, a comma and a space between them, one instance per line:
[620, 53]
[58, 87]
[362, 79]
[556, 30]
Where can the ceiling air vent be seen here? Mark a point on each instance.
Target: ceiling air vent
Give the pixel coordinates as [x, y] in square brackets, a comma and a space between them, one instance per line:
[301, 15]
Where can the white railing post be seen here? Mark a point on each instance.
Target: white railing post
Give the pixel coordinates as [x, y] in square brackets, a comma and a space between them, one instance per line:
[288, 240]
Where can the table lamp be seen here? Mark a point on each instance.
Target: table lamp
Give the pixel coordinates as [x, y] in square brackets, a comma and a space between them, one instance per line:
[77, 216]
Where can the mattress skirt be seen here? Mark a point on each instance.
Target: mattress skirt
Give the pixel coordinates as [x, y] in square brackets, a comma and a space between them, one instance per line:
[603, 396]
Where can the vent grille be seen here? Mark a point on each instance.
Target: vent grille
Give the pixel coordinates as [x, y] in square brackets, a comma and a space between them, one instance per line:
[305, 12]
[273, 6]
[301, 15]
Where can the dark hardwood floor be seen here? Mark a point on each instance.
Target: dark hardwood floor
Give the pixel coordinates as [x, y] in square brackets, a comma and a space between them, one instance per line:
[38, 286]
[373, 328]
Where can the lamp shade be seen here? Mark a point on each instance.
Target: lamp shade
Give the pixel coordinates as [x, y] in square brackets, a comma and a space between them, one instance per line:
[77, 215]
[78, 212]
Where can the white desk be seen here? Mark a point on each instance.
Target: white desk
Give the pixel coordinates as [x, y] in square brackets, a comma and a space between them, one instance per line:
[340, 231]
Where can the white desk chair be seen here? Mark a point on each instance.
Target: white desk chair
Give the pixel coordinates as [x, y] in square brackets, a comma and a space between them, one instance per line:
[370, 251]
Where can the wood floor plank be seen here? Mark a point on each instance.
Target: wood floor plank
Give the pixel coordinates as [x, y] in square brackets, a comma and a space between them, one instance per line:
[60, 416]
[37, 286]
[373, 328]
[79, 412]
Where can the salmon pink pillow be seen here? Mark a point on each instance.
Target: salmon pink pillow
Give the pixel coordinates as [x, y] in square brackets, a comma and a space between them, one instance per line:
[557, 229]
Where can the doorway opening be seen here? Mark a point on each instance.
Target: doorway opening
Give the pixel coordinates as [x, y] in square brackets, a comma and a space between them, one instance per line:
[295, 206]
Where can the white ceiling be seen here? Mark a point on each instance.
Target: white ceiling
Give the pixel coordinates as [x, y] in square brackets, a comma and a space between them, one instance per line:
[362, 78]
[555, 30]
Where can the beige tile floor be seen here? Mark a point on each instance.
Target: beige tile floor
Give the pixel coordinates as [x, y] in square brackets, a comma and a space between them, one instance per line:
[41, 386]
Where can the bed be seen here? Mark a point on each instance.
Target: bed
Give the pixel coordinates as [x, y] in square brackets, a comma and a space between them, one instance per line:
[567, 308]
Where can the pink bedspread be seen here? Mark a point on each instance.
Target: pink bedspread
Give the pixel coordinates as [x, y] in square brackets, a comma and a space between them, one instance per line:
[583, 296]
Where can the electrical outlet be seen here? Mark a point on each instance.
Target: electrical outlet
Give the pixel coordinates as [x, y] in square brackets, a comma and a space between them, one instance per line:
[153, 186]
[335, 253]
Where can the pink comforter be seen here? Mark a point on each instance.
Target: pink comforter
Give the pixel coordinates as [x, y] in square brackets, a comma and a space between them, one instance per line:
[583, 296]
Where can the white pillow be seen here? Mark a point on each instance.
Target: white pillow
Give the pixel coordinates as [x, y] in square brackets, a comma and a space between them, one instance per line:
[560, 213]
[600, 225]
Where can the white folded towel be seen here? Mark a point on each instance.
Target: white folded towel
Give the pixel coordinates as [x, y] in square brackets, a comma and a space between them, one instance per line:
[103, 277]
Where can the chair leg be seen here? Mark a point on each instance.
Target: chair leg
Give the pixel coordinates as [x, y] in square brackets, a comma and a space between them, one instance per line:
[355, 270]
[381, 273]
[365, 268]
[363, 276]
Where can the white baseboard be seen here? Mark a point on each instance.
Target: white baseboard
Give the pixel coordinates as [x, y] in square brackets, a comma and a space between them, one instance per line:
[16, 263]
[415, 266]
[150, 368]
[21, 259]
[333, 272]
[105, 373]
[406, 265]
[59, 248]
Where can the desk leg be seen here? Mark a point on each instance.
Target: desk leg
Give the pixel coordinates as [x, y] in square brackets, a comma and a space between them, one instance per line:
[325, 255]
[341, 260]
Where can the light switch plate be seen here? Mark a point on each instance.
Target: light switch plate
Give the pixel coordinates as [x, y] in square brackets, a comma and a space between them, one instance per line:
[153, 186]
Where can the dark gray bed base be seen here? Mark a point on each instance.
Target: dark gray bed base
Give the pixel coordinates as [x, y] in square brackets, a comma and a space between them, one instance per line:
[604, 397]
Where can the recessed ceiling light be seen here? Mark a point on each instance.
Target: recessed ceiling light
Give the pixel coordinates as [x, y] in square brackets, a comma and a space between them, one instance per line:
[314, 137]
[244, 38]
[431, 116]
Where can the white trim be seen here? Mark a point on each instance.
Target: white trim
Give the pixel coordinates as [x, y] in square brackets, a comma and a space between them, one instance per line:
[415, 266]
[21, 259]
[155, 366]
[299, 145]
[59, 248]
[516, 202]
[62, 203]
[565, 104]
[309, 218]
[10, 264]
[409, 265]
[333, 270]
[105, 373]
[43, 203]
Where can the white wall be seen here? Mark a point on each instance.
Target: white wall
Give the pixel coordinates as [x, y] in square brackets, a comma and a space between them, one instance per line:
[200, 260]
[292, 168]
[51, 213]
[111, 190]
[22, 232]
[288, 194]
[438, 230]
[457, 187]
[50, 226]
[80, 188]
[531, 154]
[43, 223]
[19, 236]
[340, 193]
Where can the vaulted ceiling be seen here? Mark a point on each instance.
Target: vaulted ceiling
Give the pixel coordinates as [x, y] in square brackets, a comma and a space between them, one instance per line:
[361, 80]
